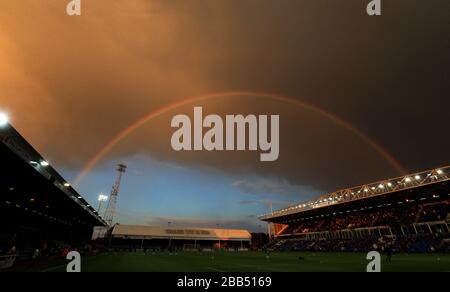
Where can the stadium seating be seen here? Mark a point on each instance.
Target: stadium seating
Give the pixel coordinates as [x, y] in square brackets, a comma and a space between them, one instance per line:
[406, 244]
[411, 227]
[392, 216]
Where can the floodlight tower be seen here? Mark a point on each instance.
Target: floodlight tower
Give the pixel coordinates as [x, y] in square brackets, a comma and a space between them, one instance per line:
[111, 209]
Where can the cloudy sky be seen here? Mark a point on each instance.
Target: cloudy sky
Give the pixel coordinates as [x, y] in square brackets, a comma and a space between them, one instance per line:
[72, 84]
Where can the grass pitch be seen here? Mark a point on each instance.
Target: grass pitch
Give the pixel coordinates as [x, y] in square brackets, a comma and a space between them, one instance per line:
[255, 262]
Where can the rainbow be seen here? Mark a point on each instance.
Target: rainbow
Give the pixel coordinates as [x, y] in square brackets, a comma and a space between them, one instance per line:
[282, 98]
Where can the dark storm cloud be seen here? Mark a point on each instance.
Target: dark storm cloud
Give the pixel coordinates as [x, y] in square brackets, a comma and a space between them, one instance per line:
[72, 83]
[269, 204]
[259, 186]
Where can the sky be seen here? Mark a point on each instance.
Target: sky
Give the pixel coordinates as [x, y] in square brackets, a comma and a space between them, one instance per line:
[72, 84]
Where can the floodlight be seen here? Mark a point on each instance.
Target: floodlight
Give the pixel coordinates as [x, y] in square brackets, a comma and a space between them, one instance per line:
[4, 120]
[44, 163]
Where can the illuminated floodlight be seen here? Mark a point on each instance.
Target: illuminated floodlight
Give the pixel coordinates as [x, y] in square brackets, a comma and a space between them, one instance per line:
[408, 179]
[417, 177]
[389, 184]
[102, 198]
[66, 184]
[4, 120]
[440, 171]
[366, 190]
[381, 186]
[44, 163]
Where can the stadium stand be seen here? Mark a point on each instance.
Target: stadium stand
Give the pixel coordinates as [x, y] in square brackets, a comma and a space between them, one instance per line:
[137, 237]
[406, 214]
[40, 213]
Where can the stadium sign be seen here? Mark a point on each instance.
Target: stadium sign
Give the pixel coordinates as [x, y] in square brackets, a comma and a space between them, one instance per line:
[187, 232]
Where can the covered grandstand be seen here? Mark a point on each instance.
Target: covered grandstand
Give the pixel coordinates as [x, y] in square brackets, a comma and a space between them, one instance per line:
[160, 238]
[39, 209]
[402, 213]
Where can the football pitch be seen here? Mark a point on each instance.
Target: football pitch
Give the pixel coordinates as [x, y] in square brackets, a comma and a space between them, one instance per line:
[254, 262]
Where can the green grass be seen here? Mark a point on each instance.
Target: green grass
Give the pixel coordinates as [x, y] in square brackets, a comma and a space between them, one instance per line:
[255, 262]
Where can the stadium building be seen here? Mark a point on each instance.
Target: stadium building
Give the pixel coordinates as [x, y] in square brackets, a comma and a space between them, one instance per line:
[134, 237]
[405, 214]
[39, 210]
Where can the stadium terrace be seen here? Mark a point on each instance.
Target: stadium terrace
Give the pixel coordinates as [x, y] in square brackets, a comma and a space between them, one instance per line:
[46, 194]
[126, 237]
[404, 214]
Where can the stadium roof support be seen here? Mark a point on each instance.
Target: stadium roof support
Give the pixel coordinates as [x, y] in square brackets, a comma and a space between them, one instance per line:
[375, 189]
